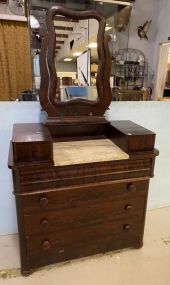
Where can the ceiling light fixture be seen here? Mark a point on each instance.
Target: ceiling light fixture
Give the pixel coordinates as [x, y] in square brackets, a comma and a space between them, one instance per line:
[67, 59]
[165, 44]
[108, 28]
[77, 53]
[115, 2]
[92, 45]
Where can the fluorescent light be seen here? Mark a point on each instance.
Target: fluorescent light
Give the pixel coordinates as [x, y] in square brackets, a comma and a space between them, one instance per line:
[108, 28]
[92, 45]
[165, 44]
[77, 53]
[67, 59]
[114, 2]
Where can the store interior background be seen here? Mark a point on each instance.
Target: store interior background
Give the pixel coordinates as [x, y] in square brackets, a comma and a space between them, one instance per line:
[153, 114]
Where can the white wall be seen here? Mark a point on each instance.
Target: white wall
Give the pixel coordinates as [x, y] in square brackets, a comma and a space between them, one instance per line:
[152, 115]
[11, 112]
[163, 19]
[66, 67]
[158, 11]
[155, 116]
[143, 11]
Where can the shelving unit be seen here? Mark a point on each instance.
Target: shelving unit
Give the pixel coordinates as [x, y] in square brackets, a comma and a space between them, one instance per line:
[129, 69]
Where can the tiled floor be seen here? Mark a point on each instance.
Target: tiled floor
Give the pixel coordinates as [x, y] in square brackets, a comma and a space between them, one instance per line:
[147, 266]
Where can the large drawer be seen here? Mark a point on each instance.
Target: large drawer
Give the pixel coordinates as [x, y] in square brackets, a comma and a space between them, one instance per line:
[69, 244]
[39, 223]
[71, 197]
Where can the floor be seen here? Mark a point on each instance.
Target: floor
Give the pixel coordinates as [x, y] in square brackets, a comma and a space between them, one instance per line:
[147, 266]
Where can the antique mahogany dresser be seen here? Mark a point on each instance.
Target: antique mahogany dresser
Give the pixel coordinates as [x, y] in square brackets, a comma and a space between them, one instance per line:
[80, 181]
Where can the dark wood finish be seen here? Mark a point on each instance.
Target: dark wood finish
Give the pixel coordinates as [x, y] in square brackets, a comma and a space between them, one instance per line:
[131, 137]
[31, 142]
[71, 211]
[67, 81]
[77, 107]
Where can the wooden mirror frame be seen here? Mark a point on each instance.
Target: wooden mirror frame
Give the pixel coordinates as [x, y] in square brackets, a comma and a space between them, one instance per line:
[48, 87]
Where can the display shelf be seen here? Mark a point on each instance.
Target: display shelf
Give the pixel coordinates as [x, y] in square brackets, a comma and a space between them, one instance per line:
[129, 69]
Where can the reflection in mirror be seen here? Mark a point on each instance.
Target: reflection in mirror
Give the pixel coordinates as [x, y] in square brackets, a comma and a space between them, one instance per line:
[118, 20]
[76, 55]
[76, 58]
[130, 75]
[125, 22]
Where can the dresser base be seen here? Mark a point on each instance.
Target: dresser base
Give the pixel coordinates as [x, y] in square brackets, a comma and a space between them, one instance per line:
[70, 210]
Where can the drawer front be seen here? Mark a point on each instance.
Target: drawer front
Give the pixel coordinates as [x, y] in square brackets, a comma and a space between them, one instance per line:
[64, 245]
[87, 215]
[58, 177]
[73, 197]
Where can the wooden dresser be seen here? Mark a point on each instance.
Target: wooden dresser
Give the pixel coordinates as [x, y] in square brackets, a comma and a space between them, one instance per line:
[80, 182]
[71, 211]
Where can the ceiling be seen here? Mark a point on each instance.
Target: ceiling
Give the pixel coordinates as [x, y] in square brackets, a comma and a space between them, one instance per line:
[64, 27]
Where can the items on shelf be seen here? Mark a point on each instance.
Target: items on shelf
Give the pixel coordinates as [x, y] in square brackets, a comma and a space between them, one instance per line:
[129, 69]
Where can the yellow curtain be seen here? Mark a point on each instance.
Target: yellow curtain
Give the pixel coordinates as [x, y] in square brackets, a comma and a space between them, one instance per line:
[15, 60]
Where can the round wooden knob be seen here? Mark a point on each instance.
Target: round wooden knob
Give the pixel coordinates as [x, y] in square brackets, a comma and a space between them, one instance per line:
[44, 223]
[43, 201]
[46, 245]
[127, 227]
[128, 207]
[131, 187]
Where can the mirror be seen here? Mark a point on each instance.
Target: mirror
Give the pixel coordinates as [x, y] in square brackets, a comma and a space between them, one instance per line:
[82, 32]
[76, 58]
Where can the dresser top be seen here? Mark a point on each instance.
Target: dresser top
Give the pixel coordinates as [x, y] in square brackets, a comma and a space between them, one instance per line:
[30, 133]
[131, 129]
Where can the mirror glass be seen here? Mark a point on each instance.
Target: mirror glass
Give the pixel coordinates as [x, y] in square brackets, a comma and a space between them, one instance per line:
[76, 58]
